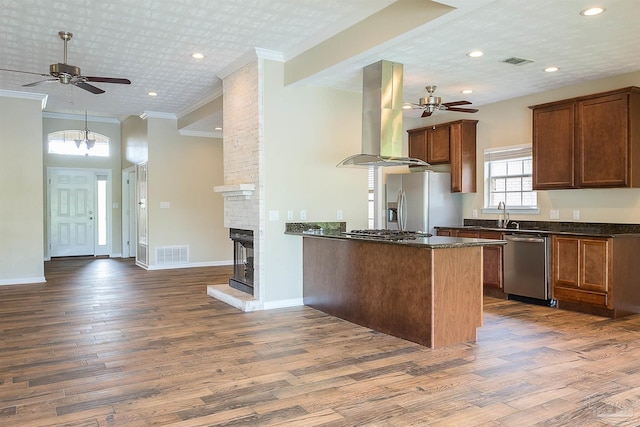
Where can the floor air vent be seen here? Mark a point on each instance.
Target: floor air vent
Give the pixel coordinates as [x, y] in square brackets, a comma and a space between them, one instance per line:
[172, 255]
[517, 61]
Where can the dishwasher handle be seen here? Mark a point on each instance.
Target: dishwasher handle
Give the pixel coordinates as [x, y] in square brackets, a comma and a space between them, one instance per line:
[526, 239]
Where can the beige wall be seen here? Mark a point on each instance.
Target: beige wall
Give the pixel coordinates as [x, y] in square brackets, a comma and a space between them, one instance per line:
[510, 123]
[182, 171]
[134, 141]
[307, 131]
[21, 191]
[106, 127]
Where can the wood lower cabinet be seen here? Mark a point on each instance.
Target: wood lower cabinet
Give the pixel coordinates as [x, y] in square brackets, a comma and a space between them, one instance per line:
[597, 275]
[588, 142]
[451, 143]
[582, 270]
[492, 256]
[492, 261]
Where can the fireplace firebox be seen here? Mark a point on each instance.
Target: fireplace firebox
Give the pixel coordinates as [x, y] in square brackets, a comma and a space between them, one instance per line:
[242, 260]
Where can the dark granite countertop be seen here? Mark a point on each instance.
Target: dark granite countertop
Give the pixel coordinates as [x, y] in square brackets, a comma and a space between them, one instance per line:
[434, 242]
[548, 228]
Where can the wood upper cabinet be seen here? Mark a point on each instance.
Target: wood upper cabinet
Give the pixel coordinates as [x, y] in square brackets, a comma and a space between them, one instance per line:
[582, 269]
[430, 144]
[449, 143]
[553, 147]
[463, 156]
[418, 145]
[588, 142]
[603, 141]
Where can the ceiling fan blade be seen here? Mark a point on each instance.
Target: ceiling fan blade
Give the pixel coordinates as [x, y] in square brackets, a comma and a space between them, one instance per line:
[88, 87]
[454, 103]
[38, 82]
[463, 110]
[107, 80]
[426, 113]
[25, 72]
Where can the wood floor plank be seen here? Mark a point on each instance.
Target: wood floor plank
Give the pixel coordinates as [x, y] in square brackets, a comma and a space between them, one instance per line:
[105, 343]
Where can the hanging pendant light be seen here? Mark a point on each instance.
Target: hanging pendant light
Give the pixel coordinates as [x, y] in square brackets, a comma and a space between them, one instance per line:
[85, 135]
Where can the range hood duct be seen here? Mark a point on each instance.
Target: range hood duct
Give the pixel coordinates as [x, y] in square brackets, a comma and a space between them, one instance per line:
[381, 118]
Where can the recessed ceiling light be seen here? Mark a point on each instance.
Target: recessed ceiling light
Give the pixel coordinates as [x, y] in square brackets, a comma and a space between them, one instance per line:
[218, 128]
[592, 11]
[153, 94]
[197, 55]
[551, 69]
[475, 54]
[466, 91]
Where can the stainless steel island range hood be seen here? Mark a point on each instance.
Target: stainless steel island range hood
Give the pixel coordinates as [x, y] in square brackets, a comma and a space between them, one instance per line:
[381, 118]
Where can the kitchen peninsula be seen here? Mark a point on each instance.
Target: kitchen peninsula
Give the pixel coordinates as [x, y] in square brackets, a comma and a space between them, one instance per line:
[426, 289]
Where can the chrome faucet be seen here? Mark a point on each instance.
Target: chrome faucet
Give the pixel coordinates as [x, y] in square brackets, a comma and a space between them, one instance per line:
[503, 219]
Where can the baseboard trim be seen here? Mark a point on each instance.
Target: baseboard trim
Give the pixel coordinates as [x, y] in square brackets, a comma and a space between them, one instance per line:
[23, 281]
[283, 303]
[190, 265]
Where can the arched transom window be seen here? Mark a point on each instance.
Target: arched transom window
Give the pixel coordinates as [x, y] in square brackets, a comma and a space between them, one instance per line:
[74, 143]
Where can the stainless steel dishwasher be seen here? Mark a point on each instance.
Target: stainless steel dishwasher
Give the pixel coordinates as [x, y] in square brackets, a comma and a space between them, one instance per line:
[526, 266]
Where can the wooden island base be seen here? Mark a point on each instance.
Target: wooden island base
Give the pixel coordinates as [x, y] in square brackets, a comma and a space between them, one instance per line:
[429, 296]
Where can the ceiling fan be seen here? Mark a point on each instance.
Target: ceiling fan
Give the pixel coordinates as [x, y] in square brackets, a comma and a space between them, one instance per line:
[433, 103]
[70, 74]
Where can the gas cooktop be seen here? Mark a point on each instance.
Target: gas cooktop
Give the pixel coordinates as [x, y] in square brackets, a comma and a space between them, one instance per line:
[386, 234]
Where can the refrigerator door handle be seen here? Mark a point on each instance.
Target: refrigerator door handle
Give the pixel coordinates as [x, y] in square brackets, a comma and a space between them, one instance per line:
[399, 205]
[402, 211]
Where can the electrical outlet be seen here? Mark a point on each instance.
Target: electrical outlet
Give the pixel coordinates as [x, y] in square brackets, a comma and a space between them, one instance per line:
[576, 214]
[474, 213]
[339, 215]
[289, 215]
[303, 214]
[274, 215]
[554, 214]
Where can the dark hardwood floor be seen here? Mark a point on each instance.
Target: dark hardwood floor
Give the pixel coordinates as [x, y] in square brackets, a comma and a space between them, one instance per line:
[105, 343]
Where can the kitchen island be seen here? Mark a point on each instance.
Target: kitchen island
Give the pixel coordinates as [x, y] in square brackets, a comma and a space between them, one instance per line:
[427, 290]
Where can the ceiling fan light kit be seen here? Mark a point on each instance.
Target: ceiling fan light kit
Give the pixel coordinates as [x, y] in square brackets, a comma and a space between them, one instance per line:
[70, 74]
[432, 103]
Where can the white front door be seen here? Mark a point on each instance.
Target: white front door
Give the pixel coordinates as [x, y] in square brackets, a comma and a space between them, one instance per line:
[72, 195]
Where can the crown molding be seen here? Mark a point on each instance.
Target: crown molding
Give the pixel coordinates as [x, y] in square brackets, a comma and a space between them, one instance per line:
[157, 115]
[249, 57]
[67, 116]
[26, 95]
[272, 55]
[201, 134]
[217, 93]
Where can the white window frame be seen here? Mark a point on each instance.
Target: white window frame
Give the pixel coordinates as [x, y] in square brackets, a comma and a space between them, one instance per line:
[499, 154]
[66, 143]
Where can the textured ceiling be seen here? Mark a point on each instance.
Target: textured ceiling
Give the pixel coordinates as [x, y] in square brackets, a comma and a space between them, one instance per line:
[150, 42]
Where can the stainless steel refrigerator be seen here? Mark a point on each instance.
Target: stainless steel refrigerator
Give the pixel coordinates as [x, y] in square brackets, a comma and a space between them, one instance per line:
[418, 201]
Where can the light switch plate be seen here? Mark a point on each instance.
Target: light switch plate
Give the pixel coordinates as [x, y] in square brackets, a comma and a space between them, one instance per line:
[576, 214]
[165, 205]
[554, 214]
[339, 215]
[274, 215]
[474, 213]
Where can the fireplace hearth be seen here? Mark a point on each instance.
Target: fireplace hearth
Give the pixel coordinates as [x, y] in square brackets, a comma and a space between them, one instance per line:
[242, 278]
